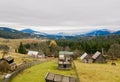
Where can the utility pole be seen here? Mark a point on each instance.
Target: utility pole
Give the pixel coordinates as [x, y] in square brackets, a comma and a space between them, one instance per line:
[102, 51]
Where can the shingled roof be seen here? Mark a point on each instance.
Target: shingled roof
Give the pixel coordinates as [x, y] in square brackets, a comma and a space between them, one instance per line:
[83, 56]
[65, 52]
[50, 77]
[96, 55]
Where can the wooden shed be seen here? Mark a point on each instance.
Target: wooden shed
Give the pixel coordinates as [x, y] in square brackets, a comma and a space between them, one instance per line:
[51, 77]
[7, 64]
[64, 61]
[4, 66]
[98, 58]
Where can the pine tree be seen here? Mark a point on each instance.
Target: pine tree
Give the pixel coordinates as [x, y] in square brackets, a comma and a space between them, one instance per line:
[22, 49]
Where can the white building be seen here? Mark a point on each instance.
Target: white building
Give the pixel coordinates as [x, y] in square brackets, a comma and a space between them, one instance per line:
[35, 54]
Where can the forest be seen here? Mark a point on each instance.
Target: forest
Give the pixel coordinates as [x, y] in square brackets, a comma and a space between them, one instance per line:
[109, 44]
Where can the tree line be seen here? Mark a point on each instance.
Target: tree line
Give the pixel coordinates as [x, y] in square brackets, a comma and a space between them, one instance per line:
[109, 44]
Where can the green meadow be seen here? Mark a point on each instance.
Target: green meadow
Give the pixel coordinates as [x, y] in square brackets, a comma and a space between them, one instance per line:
[86, 72]
[37, 73]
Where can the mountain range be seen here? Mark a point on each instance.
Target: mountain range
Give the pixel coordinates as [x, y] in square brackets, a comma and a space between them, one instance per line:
[7, 32]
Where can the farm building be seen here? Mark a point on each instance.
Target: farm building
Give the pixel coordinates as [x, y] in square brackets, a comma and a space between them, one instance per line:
[50, 77]
[36, 54]
[65, 59]
[98, 58]
[4, 66]
[85, 58]
[7, 64]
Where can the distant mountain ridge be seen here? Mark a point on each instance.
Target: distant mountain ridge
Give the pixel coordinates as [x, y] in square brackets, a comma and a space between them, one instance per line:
[33, 32]
[117, 32]
[100, 32]
[7, 32]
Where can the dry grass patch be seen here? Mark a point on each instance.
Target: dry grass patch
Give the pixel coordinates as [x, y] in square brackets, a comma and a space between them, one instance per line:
[98, 72]
[14, 43]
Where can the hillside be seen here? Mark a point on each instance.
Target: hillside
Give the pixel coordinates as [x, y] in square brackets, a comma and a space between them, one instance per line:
[14, 43]
[12, 33]
[9, 33]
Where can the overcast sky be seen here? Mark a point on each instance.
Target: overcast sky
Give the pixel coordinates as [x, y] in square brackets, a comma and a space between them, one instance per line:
[54, 16]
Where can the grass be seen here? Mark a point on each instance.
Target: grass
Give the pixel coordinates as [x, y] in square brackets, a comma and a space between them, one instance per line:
[98, 72]
[38, 72]
[17, 57]
[14, 43]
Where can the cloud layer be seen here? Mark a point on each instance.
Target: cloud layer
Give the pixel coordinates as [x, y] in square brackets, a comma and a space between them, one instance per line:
[62, 15]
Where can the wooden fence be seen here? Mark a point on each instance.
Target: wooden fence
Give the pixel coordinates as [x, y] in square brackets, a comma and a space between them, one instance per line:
[76, 71]
[20, 68]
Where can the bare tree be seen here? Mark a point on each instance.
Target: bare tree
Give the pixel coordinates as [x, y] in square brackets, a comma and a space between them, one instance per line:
[5, 50]
[114, 50]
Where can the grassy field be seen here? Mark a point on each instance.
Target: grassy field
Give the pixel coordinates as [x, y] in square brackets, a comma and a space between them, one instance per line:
[14, 43]
[17, 57]
[38, 72]
[98, 72]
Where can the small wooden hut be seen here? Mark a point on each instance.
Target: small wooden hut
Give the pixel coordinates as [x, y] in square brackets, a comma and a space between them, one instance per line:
[7, 64]
[4, 66]
[50, 77]
[98, 58]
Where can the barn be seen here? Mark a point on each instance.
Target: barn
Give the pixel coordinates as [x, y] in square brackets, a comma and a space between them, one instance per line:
[51, 77]
[98, 58]
[65, 59]
[85, 58]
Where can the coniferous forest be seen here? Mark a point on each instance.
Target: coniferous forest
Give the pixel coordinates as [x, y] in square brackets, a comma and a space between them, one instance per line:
[109, 44]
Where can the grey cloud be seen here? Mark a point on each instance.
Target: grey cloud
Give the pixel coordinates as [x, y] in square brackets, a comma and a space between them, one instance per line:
[61, 12]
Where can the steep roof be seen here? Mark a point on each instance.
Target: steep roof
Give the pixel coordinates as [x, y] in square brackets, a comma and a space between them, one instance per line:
[65, 52]
[83, 56]
[9, 58]
[96, 55]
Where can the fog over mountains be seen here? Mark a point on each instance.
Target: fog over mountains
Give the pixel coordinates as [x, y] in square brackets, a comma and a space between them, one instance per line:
[91, 33]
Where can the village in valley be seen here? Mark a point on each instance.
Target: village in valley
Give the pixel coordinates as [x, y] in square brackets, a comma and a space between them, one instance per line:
[59, 40]
[51, 62]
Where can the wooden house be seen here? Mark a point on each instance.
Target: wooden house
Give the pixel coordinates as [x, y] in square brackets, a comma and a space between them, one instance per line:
[4, 66]
[85, 58]
[50, 77]
[7, 64]
[65, 59]
[98, 58]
